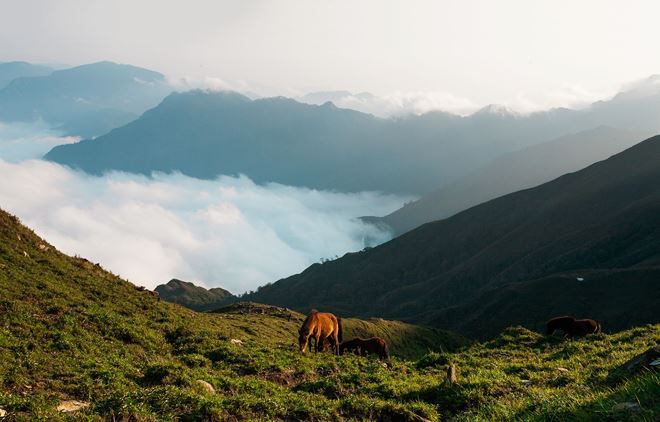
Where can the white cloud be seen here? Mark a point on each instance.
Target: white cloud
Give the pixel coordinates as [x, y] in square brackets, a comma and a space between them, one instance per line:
[211, 83]
[21, 141]
[397, 103]
[401, 103]
[227, 232]
[573, 97]
[186, 83]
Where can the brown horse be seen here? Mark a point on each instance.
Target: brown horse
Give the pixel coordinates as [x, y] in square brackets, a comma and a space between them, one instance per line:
[320, 326]
[325, 343]
[572, 327]
[362, 347]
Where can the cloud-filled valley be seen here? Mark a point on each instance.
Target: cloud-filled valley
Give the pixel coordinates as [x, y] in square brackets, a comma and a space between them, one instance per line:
[227, 232]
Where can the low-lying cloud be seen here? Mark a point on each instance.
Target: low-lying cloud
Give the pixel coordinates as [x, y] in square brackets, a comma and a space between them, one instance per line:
[227, 232]
[22, 141]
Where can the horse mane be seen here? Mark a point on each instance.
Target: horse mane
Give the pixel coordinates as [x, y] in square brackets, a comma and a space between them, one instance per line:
[308, 322]
[563, 318]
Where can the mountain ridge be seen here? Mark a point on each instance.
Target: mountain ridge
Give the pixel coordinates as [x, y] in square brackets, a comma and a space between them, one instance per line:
[206, 134]
[508, 173]
[17, 69]
[86, 100]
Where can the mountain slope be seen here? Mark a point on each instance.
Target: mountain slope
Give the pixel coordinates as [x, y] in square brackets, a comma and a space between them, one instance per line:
[12, 70]
[603, 217]
[194, 297]
[509, 173]
[86, 100]
[73, 334]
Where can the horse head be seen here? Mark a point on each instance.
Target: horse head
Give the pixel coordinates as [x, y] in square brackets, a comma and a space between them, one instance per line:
[302, 339]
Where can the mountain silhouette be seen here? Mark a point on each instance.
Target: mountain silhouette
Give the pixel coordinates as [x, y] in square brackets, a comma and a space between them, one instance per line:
[206, 134]
[87, 100]
[194, 297]
[12, 70]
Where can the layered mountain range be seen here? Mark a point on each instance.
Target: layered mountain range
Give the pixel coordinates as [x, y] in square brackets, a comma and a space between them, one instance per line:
[206, 134]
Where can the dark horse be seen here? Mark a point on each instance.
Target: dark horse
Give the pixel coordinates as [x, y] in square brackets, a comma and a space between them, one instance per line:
[362, 347]
[572, 327]
[320, 326]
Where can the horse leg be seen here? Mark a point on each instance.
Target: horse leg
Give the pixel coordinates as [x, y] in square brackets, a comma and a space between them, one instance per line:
[335, 341]
[318, 342]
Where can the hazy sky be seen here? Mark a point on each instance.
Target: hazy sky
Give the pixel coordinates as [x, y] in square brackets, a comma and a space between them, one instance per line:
[521, 53]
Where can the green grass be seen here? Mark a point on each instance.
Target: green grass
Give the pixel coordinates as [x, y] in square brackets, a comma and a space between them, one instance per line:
[70, 330]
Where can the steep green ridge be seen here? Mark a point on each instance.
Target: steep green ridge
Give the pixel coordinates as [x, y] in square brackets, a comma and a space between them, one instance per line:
[71, 330]
[194, 297]
[605, 217]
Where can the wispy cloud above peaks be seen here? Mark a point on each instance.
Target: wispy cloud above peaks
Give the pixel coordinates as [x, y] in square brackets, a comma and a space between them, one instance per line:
[398, 103]
[641, 88]
[213, 84]
[401, 103]
[573, 97]
[187, 83]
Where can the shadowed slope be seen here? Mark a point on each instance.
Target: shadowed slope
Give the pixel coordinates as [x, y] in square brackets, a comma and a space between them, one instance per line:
[605, 216]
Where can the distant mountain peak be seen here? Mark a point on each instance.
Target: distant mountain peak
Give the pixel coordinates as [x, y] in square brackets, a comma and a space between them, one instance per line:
[194, 297]
[497, 110]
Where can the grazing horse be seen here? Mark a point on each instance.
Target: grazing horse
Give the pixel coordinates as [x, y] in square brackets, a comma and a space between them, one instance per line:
[325, 344]
[572, 327]
[321, 326]
[361, 346]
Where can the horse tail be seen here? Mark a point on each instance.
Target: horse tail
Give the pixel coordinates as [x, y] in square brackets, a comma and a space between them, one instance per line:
[340, 330]
[598, 327]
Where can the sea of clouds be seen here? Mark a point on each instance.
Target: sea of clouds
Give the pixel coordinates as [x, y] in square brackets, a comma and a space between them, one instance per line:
[228, 232]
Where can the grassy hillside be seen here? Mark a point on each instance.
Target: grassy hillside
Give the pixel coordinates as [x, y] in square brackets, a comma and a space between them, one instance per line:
[70, 330]
[405, 340]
